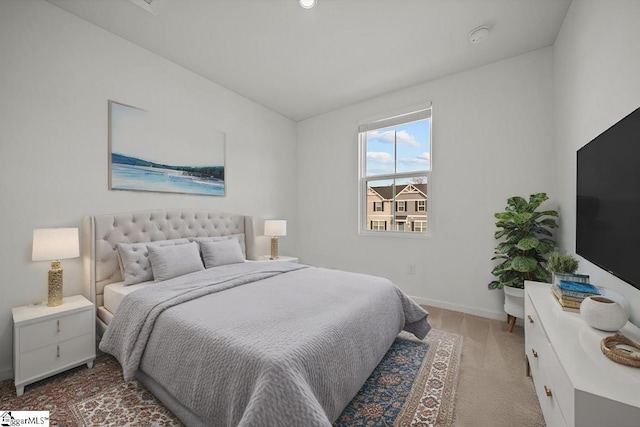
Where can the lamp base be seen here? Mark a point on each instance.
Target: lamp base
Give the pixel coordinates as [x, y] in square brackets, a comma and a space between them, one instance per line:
[274, 248]
[55, 284]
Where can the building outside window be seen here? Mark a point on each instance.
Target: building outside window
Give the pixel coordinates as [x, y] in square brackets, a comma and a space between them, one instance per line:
[395, 154]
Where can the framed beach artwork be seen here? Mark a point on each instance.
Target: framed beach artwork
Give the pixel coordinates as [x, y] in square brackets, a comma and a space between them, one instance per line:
[148, 152]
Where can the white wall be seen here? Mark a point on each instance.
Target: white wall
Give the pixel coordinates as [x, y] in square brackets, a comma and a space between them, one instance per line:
[56, 74]
[596, 83]
[492, 139]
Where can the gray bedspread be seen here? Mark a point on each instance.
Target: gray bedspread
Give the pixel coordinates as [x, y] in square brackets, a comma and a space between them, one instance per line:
[264, 343]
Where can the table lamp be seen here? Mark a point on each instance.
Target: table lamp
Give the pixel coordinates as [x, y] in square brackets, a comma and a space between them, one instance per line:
[275, 228]
[54, 244]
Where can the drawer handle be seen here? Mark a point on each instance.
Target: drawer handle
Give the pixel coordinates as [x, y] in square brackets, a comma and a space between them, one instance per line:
[58, 325]
[534, 352]
[530, 318]
[58, 353]
[548, 391]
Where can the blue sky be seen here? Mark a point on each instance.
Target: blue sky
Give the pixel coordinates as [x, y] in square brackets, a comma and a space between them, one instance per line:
[412, 149]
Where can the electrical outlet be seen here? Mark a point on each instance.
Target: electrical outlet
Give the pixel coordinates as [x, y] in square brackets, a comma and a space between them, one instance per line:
[411, 270]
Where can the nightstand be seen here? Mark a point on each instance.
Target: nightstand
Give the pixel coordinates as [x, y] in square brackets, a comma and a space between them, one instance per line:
[280, 258]
[49, 340]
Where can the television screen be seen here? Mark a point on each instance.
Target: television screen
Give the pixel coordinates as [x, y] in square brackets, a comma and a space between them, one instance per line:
[608, 202]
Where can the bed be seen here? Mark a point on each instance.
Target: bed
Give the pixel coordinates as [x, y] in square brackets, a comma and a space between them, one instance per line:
[249, 343]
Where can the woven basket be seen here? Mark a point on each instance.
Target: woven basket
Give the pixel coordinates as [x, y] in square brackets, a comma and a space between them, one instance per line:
[608, 347]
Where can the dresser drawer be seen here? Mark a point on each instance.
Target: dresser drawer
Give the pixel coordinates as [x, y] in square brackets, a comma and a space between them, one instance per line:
[551, 409]
[546, 372]
[560, 385]
[535, 338]
[41, 361]
[54, 330]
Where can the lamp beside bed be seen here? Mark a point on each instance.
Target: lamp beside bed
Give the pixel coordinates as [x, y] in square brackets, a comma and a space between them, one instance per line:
[54, 244]
[275, 228]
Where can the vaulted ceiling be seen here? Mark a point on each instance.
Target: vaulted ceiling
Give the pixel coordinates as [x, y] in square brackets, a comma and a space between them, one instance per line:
[302, 63]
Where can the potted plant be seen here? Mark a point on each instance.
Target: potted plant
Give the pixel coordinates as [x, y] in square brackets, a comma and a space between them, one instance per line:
[525, 238]
[563, 267]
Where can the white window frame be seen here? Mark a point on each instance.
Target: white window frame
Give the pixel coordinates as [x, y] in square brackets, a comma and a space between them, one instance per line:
[381, 206]
[422, 208]
[402, 203]
[398, 117]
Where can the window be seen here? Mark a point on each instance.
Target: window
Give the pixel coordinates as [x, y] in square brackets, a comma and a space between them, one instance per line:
[378, 225]
[395, 167]
[420, 226]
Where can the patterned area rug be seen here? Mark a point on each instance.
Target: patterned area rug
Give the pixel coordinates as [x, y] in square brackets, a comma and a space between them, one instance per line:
[414, 385]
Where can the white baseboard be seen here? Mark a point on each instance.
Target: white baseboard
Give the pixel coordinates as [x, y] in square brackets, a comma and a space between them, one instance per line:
[6, 374]
[462, 308]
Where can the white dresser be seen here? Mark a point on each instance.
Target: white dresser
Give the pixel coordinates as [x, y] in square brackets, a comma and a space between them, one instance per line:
[576, 384]
[48, 340]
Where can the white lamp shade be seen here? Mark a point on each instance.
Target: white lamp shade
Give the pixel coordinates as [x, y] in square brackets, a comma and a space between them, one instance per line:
[55, 243]
[275, 227]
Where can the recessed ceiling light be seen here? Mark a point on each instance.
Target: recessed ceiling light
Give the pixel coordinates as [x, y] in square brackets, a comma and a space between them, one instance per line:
[478, 34]
[307, 4]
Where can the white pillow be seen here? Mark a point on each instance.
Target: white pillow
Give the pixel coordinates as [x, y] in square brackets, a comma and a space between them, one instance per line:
[168, 262]
[239, 237]
[220, 253]
[134, 259]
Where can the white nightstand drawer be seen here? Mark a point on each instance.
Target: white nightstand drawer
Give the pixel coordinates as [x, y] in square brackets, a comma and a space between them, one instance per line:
[55, 330]
[39, 362]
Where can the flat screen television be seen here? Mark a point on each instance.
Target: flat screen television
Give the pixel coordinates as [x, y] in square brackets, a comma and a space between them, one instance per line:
[608, 202]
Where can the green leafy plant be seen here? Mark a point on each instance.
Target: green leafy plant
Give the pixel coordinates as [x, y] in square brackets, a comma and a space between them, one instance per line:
[562, 263]
[526, 237]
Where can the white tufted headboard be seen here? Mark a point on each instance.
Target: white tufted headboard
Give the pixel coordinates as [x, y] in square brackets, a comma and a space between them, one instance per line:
[102, 234]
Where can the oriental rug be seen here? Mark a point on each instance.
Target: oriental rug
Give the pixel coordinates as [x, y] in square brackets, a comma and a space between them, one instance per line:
[414, 385]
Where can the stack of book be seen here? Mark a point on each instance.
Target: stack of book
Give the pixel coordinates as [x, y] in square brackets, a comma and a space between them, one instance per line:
[570, 294]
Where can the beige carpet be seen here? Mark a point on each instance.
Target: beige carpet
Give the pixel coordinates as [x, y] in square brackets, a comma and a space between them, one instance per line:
[493, 389]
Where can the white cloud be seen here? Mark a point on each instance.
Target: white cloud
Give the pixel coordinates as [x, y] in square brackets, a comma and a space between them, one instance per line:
[420, 159]
[403, 137]
[384, 137]
[425, 156]
[379, 156]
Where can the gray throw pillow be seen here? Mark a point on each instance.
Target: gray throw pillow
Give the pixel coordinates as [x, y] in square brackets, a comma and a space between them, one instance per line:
[220, 253]
[168, 262]
[239, 237]
[134, 259]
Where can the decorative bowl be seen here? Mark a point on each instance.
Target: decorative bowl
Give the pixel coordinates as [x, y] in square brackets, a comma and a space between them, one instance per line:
[603, 313]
